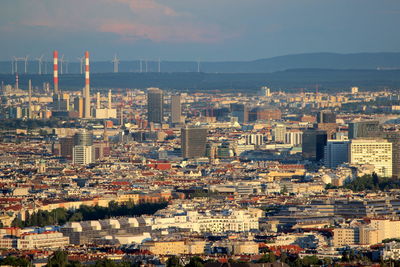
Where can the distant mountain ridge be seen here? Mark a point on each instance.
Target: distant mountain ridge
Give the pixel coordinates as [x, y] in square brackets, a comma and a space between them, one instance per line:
[356, 61]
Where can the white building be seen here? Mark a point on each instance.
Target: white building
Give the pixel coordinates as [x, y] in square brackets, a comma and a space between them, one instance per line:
[336, 153]
[82, 155]
[254, 139]
[377, 152]
[294, 138]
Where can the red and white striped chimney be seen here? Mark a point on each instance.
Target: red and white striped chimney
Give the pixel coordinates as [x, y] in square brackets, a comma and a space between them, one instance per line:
[86, 93]
[55, 71]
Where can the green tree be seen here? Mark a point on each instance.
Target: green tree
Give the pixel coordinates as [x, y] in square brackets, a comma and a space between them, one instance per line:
[195, 262]
[58, 259]
[173, 261]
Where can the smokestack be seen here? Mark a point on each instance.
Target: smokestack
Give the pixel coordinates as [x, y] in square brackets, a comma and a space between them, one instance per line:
[98, 100]
[16, 82]
[109, 99]
[86, 93]
[30, 99]
[55, 71]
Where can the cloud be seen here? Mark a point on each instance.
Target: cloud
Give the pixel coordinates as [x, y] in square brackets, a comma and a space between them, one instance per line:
[139, 6]
[162, 33]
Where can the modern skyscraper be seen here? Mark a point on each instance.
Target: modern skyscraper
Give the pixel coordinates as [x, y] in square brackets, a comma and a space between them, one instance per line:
[193, 142]
[155, 105]
[83, 148]
[176, 109]
[336, 153]
[363, 129]
[377, 152]
[314, 142]
[240, 111]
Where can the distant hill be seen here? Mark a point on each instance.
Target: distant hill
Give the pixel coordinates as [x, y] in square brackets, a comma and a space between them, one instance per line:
[360, 61]
[287, 80]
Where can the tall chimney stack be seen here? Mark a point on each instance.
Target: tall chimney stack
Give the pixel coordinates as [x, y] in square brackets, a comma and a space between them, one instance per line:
[86, 93]
[55, 71]
[109, 99]
[30, 99]
[98, 100]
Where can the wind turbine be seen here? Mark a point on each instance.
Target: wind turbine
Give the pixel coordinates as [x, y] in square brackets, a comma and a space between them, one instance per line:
[12, 65]
[81, 59]
[40, 59]
[26, 63]
[116, 63]
[62, 63]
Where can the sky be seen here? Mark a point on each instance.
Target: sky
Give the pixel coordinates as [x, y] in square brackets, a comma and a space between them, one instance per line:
[209, 30]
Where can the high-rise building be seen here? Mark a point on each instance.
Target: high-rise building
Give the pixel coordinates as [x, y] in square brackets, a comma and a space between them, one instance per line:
[313, 144]
[66, 147]
[240, 111]
[254, 139]
[83, 155]
[83, 138]
[394, 138]
[176, 109]
[377, 152]
[336, 153]
[363, 129]
[155, 105]
[265, 91]
[326, 116]
[193, 142]
[83, 148]
[279, 133]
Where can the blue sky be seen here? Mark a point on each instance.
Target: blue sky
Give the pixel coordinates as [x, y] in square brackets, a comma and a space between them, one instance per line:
[196, 29]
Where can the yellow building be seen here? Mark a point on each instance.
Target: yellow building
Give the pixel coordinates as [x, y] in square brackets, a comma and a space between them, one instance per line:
[175, 247]
[345, 236]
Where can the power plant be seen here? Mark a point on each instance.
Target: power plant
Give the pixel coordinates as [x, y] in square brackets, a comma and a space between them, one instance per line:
[86, 93]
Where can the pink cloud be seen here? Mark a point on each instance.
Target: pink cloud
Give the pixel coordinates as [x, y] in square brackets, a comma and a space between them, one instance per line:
[148, 5]
[162, 33]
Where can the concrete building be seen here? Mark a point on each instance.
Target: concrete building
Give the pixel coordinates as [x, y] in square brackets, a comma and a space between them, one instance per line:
[336, 153]
[176, 109]
[279, 133]
[394, 138]
[345, 237]
[294, 137]
[377, 152]
[82, 155]
[193, 142]
[155, 105]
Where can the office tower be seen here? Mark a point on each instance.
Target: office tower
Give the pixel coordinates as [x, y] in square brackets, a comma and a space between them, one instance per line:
[83, 147]
[326, 116]
[336, 153]
[83, 155]
[294, 137]
[363, 129]
[278, 133]
[394, 138]
[193, 142]
[66, 147]
[240, 111]
[155, 105]
[86, 92]
[83, 138]
[264, 113]
[176, 109]
[313, 145]
[377, 152]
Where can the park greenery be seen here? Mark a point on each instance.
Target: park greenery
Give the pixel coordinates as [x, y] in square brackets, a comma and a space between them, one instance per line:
[370, 182]
[60, 216]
